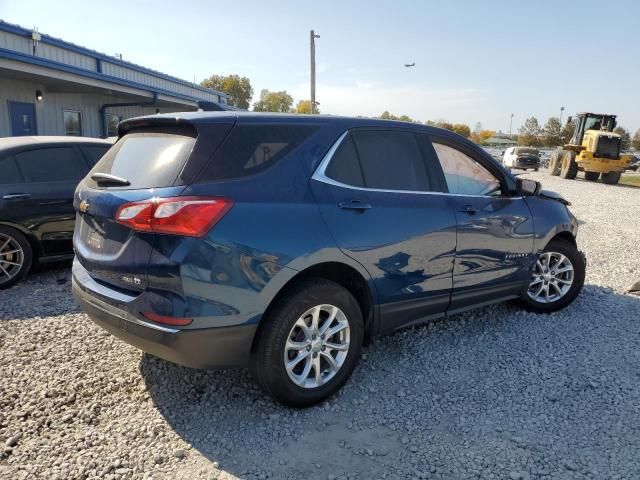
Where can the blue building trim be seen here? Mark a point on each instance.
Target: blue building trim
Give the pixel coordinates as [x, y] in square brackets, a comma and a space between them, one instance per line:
[101, 57]
[63, 67]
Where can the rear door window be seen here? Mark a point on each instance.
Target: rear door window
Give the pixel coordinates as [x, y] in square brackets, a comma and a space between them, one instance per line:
[146, 159]
[55, 164]
[251, 149]
[391, 160]
[9, 172]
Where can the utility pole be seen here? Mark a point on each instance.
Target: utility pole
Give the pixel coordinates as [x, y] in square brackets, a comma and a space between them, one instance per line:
[561, 110]
[312, 38]
[510, 124]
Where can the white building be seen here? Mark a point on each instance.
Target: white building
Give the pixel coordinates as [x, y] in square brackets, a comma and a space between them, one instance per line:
[52, 87]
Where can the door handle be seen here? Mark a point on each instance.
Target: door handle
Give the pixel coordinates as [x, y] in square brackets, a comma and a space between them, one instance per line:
[469, 210]
[16, 196]
[354, 205]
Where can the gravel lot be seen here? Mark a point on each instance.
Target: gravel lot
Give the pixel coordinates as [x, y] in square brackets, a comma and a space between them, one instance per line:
[493, 393]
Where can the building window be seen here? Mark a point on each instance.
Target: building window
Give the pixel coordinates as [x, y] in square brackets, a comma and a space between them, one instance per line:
[72, 123]
[112, 124]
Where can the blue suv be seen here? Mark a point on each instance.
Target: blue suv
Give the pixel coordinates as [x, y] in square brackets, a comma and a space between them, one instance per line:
[285, 242]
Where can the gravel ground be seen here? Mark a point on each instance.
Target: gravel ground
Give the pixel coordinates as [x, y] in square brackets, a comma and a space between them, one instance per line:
[493, 393]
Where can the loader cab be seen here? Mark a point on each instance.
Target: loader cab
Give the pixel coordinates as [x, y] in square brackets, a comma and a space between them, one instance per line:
[591, 121]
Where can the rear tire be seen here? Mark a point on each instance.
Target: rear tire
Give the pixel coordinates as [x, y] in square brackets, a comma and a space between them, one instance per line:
[555, 162]
[557, 298]
[611, 178]
[289, 333]
[16, 256]
[569, 168]
[591, 176]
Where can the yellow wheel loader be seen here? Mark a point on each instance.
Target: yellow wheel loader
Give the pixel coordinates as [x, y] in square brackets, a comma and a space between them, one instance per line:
[593, 149]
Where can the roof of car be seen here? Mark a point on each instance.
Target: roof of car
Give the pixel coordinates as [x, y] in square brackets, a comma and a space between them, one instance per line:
[206, 117]
[12, 142]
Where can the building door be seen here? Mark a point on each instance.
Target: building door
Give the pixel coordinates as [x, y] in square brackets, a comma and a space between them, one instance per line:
[23, 118]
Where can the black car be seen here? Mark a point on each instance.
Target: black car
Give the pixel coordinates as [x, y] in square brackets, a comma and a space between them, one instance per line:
[38, 176]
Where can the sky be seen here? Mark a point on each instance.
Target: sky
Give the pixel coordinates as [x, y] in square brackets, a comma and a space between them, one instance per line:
[476, 61]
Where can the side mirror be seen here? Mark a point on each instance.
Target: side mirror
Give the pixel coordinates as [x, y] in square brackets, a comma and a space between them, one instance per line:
[528, 188]
[569, 120]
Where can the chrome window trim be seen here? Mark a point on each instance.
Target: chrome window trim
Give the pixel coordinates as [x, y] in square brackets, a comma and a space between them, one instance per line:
[320, 176]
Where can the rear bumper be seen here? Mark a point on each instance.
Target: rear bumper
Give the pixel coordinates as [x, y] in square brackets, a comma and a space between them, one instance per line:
[198, 348]
[526, 163]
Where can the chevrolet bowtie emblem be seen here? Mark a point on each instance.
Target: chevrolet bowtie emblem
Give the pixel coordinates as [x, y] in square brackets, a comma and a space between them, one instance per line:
[84, 206]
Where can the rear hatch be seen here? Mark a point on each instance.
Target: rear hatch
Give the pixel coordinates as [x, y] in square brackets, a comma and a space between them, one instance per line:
[150, 161]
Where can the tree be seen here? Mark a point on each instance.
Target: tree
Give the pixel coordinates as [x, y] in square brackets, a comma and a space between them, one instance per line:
[625, 138]
[485, 135]
[568, 131]
[304, 106]
[238, 88]
[444, 124]
[552, 132]
[462, 129]
[402, 118]
[529, 133]
[636, 140]
[273, 102]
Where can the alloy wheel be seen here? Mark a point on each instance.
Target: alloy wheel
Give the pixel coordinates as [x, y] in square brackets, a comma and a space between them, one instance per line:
[317, 346]
[551, 278]
[11, 258]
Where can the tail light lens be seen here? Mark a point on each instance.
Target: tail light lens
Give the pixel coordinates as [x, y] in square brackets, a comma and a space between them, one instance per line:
[187, 216]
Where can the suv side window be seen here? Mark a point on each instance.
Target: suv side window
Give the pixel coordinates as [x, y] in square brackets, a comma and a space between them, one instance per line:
[54, 164]
[252, 148]
[345, 166]
[391, 160]
[9, 172]
[463, 174]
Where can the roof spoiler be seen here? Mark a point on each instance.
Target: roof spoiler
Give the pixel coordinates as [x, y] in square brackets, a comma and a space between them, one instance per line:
[206, 106]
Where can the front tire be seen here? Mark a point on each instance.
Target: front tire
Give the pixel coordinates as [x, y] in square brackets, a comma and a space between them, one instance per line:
[569, 168]
[556, 279]
[309, 343]
[555, 162]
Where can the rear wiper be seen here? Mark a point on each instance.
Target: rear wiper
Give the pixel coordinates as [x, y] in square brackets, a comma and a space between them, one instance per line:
[108, 179]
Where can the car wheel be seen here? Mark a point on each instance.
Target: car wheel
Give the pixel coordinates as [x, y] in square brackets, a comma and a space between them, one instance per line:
[569, 169]
[15, 256]
[556, 279]
[611, 178]
[591, 176]
[309, 344]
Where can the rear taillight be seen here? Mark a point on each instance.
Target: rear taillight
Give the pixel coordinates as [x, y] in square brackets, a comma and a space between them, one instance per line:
[188, 216]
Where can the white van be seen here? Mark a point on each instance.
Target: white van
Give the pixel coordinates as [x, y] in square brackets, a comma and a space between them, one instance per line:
[521, 157]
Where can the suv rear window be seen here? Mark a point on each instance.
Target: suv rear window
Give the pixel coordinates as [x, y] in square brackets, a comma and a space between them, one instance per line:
[146, 159]
[250, 149]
